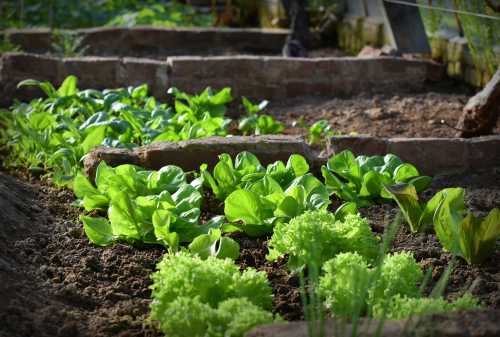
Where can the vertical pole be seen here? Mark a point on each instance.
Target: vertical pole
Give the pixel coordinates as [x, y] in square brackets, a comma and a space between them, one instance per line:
[364, 7]
[459, 26]
[431, 15]
[21, 14]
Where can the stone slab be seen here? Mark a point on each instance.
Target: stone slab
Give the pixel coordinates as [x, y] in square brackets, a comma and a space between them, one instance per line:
[464, 323]
[431, 155]
[189, 155]
[484, 152]
[112, 157]
[428, 155]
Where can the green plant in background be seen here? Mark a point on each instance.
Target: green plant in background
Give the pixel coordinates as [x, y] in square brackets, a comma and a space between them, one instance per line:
[332, 234]
[68, 43]
[314, 132]
[482, 35]
[170, 14]
[59, 131]
[366, 175]
[193, 297]
[66, 14]
[263, 124]
[6, 45]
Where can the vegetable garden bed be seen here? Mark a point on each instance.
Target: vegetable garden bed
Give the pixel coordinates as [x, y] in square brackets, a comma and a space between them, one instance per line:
[56, 281]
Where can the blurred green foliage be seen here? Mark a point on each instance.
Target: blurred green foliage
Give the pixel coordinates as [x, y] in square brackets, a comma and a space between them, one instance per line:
[69, 14]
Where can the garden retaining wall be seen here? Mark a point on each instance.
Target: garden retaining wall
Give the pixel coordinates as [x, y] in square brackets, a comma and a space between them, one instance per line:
[256, 77]
[157, 41]
[429, 155]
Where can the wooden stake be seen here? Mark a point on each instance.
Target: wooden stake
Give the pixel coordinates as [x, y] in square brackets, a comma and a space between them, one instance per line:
[459, 26]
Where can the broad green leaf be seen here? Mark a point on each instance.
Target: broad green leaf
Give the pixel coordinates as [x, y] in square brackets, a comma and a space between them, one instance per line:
[265, 186]
[195, 231]
[478, 236]
[169, 178]
[318, 202]
[293, 203]
[244, 159]
[127, 183]
[455, 200]
[295, 167]
[98, 230]
[228, 248]
[243, 205]
[124, 218]
[372, 184]
[420, 183]
[226, 180]
[83, 187]
[97, 201]
[331, 181]
[349, 195]
[311, 186]
[102, 174]
[344, 210]
[95, 138]
[407, 199]
[204, 245]
[404, 172]
[68, 88]
[277, 171]
[446, 226]
[270, 204]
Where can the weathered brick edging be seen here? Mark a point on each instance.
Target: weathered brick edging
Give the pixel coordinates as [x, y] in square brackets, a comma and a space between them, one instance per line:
[156, 41]
[189, 155]
[256, 77]
[428, 155]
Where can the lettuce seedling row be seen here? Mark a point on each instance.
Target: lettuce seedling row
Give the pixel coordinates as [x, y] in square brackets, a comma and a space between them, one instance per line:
[133, 221]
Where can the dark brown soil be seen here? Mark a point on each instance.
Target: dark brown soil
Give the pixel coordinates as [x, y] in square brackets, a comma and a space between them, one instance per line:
[55, 282]
[387, 116]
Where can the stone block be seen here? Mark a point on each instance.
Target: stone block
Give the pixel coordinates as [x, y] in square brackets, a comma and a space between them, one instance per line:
[359, 145]
[22, 66]
[92, 70]
[112, 157]
[32, 40]
[435, 71]
[431, 155]
[484, 152]
[185, 67]
[235, 67]
[189, 155]
[277, 69]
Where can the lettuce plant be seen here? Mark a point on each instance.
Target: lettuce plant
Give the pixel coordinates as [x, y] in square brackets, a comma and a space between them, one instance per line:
[418, 212]
[473, 238]
[59, 131]
[365, 176]
[262, 206]
[193, 297]
[314, 132]
[263, 124]
[348, 277]
[248, 173]
[402, 306]
[233, 317]
[323, 235]
[134, 180]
